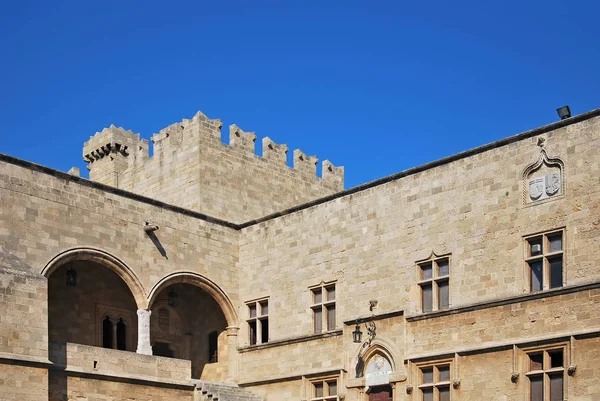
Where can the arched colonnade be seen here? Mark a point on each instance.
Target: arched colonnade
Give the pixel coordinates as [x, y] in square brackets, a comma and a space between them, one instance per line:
[145, 300]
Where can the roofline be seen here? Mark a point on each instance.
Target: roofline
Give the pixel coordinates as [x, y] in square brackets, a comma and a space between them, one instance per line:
[363, 187]
[119, 192]
[436, 163]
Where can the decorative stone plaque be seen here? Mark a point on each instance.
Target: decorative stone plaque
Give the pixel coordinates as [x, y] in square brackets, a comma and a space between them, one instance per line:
[378, 371]
[545, 186]
[543, 178]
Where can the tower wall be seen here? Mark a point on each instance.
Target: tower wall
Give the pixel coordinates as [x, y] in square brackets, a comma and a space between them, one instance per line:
[193, 169]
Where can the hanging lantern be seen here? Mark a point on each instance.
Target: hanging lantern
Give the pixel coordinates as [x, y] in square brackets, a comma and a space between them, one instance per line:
[71, 277]
[357, 334]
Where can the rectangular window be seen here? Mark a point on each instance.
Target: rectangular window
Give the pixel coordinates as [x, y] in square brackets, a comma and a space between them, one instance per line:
[324, 390]
[546, 374]
[258, 321]
[544, 258]
[435, 284]
[435, 382]
[323, 308]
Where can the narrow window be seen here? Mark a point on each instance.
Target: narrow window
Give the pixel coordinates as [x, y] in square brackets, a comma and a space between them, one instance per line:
[253, 336]
[427, 300]
[258, 321]
[323, 308]
[434, 283]
[546, 375]
[107, 333]
[544, 258]
[435, 382]
[213, 343]
[324, 390]
[121, 335]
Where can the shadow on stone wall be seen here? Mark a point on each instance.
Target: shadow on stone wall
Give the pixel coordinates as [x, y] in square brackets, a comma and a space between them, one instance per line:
[57, 377]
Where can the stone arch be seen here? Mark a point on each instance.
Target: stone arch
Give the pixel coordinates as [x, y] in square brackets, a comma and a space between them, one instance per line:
[378, 346]
[105, 259]
[189, 277]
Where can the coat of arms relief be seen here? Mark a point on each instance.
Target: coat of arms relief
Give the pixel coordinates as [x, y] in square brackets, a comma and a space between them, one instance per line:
[543, 179]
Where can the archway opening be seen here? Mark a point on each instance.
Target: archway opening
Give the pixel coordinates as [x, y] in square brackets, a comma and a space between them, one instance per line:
[187, 323]
[90, 304]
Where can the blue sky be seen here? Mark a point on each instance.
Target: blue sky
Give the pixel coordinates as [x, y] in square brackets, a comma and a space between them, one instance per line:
[376, 86]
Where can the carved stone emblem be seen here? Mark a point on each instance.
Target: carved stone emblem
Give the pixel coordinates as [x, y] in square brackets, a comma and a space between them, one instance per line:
[552, 184]
[379, 362]
[544, 186]
[536, 188]
[543, 178]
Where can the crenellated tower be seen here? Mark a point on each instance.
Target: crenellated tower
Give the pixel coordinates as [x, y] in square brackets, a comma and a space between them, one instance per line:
[191, 167]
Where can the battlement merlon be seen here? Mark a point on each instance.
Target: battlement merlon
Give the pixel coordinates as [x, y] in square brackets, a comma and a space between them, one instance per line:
[241, 140]
[113, 141]
[273, 151]
[305, 163]
[189, 131]
[333, 174]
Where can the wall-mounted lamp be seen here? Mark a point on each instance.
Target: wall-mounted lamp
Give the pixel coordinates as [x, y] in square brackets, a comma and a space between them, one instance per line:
[173, 298]
[71, 277]
[564, 112]
[357, 334]
[369, 325]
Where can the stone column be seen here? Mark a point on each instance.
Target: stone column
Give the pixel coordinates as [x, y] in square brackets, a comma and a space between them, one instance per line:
[232, 354]
[144, 346]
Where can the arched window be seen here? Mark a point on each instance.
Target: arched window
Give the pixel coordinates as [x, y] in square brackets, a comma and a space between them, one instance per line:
[107, 332]
[213, 347]
[121, 335]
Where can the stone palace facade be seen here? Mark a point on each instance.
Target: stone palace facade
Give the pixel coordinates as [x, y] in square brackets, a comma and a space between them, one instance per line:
[206, 272]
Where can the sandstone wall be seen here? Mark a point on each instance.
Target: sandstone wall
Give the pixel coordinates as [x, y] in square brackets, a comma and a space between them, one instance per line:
[49, 214]
[473, 209]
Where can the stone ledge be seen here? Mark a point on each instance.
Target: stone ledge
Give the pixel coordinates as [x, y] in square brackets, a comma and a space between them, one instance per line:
[34, 361]
[125, 377]
[293, 340]
[329, 372]
[25, 360]
[505, 301]
[505, 345]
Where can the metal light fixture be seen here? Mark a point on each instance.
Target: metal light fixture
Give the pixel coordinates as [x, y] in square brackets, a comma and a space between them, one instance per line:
[173, 298]
[357, 334]
[564, 112]
[71, 277]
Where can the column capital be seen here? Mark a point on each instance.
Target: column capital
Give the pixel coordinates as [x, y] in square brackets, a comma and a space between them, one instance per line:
[232, 330]
[144, 313]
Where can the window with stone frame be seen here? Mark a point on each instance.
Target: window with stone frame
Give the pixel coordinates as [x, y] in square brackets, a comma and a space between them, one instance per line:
[114, 328]
[324, 390]
[434, 383]
[258, 321]
[323, 307]
[546, 373]
[434, 283]
[544, 258]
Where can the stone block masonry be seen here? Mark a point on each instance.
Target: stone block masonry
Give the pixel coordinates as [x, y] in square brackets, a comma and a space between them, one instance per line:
[192, 168]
